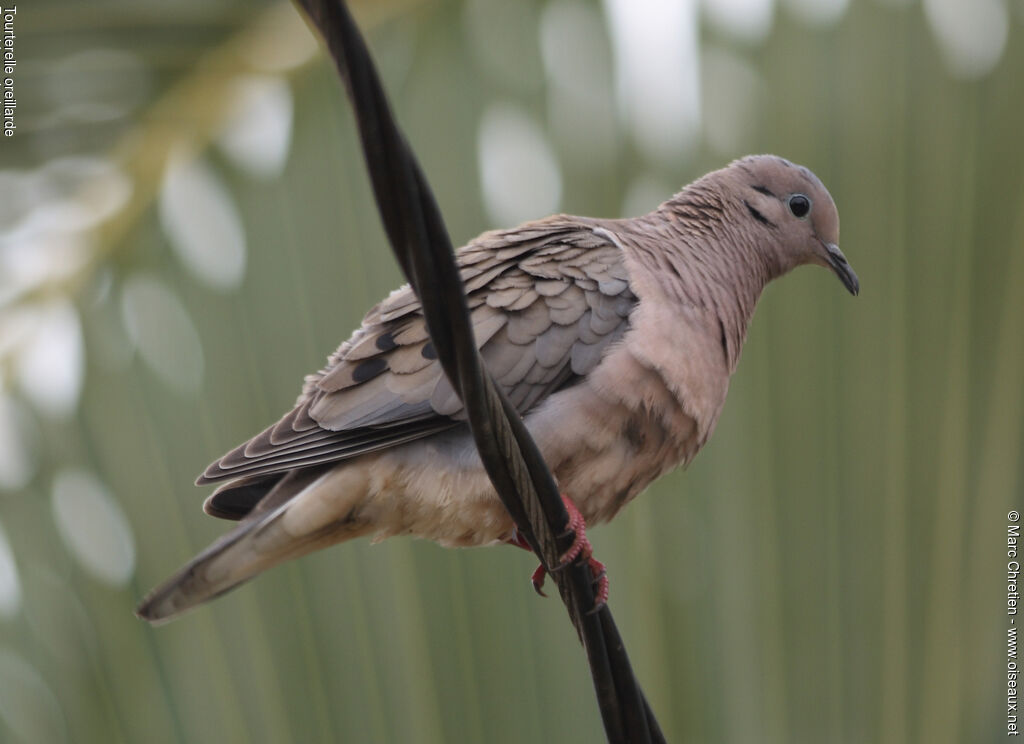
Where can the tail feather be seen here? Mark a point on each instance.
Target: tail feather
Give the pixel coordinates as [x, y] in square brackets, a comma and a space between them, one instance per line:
[237, 499]
[259, 542]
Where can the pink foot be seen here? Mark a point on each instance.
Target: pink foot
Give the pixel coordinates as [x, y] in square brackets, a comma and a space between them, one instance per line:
[580, 548]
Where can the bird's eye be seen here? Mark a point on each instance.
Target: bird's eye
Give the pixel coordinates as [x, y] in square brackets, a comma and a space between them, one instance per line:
[800, 206]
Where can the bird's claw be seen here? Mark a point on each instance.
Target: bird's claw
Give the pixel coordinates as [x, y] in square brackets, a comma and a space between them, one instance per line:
[577, 527]
[598, 571]
[537, 578]
[580, 548]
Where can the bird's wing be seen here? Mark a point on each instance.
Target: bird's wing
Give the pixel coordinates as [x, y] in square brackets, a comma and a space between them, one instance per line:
[546, 299]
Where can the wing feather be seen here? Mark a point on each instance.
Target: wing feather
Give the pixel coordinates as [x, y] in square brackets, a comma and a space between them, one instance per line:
[546, 301]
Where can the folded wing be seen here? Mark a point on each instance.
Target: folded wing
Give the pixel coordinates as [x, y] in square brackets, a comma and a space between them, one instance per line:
[546, 300]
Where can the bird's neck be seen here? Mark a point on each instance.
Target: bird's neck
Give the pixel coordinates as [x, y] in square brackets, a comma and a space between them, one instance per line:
[712, 264]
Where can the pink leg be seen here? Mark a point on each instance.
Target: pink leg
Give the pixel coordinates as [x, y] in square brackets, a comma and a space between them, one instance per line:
[580, 547]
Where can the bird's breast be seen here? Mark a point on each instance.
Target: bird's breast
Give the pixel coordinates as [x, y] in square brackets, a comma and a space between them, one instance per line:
[609, 437]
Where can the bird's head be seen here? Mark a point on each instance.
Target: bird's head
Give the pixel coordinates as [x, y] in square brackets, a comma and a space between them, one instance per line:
[791, 204]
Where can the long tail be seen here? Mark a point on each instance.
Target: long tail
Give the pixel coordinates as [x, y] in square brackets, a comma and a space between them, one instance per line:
[261, 540]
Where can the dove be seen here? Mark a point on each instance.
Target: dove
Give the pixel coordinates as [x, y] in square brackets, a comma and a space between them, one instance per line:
[614, 339]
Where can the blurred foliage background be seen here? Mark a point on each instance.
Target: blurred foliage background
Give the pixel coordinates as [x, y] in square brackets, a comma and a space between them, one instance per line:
[186, 229]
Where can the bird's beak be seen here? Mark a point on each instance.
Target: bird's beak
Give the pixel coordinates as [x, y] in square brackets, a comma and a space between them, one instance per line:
[843, 270]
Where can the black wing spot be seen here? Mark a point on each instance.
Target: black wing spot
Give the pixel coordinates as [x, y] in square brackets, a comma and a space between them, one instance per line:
[724, 342]
[386, 342]
[369, 369]
[757, 215]
[764, 190]
[429, 352]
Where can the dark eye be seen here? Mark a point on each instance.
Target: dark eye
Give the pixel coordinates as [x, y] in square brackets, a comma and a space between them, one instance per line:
[799, 205]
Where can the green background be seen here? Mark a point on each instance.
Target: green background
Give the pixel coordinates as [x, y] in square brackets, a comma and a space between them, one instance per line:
[830, 568]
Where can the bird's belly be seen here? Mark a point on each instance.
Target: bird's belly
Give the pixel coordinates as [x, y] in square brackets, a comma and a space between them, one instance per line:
[602, 482]
[602, 456]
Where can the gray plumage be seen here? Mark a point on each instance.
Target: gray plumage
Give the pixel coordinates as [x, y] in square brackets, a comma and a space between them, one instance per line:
[615, 339]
